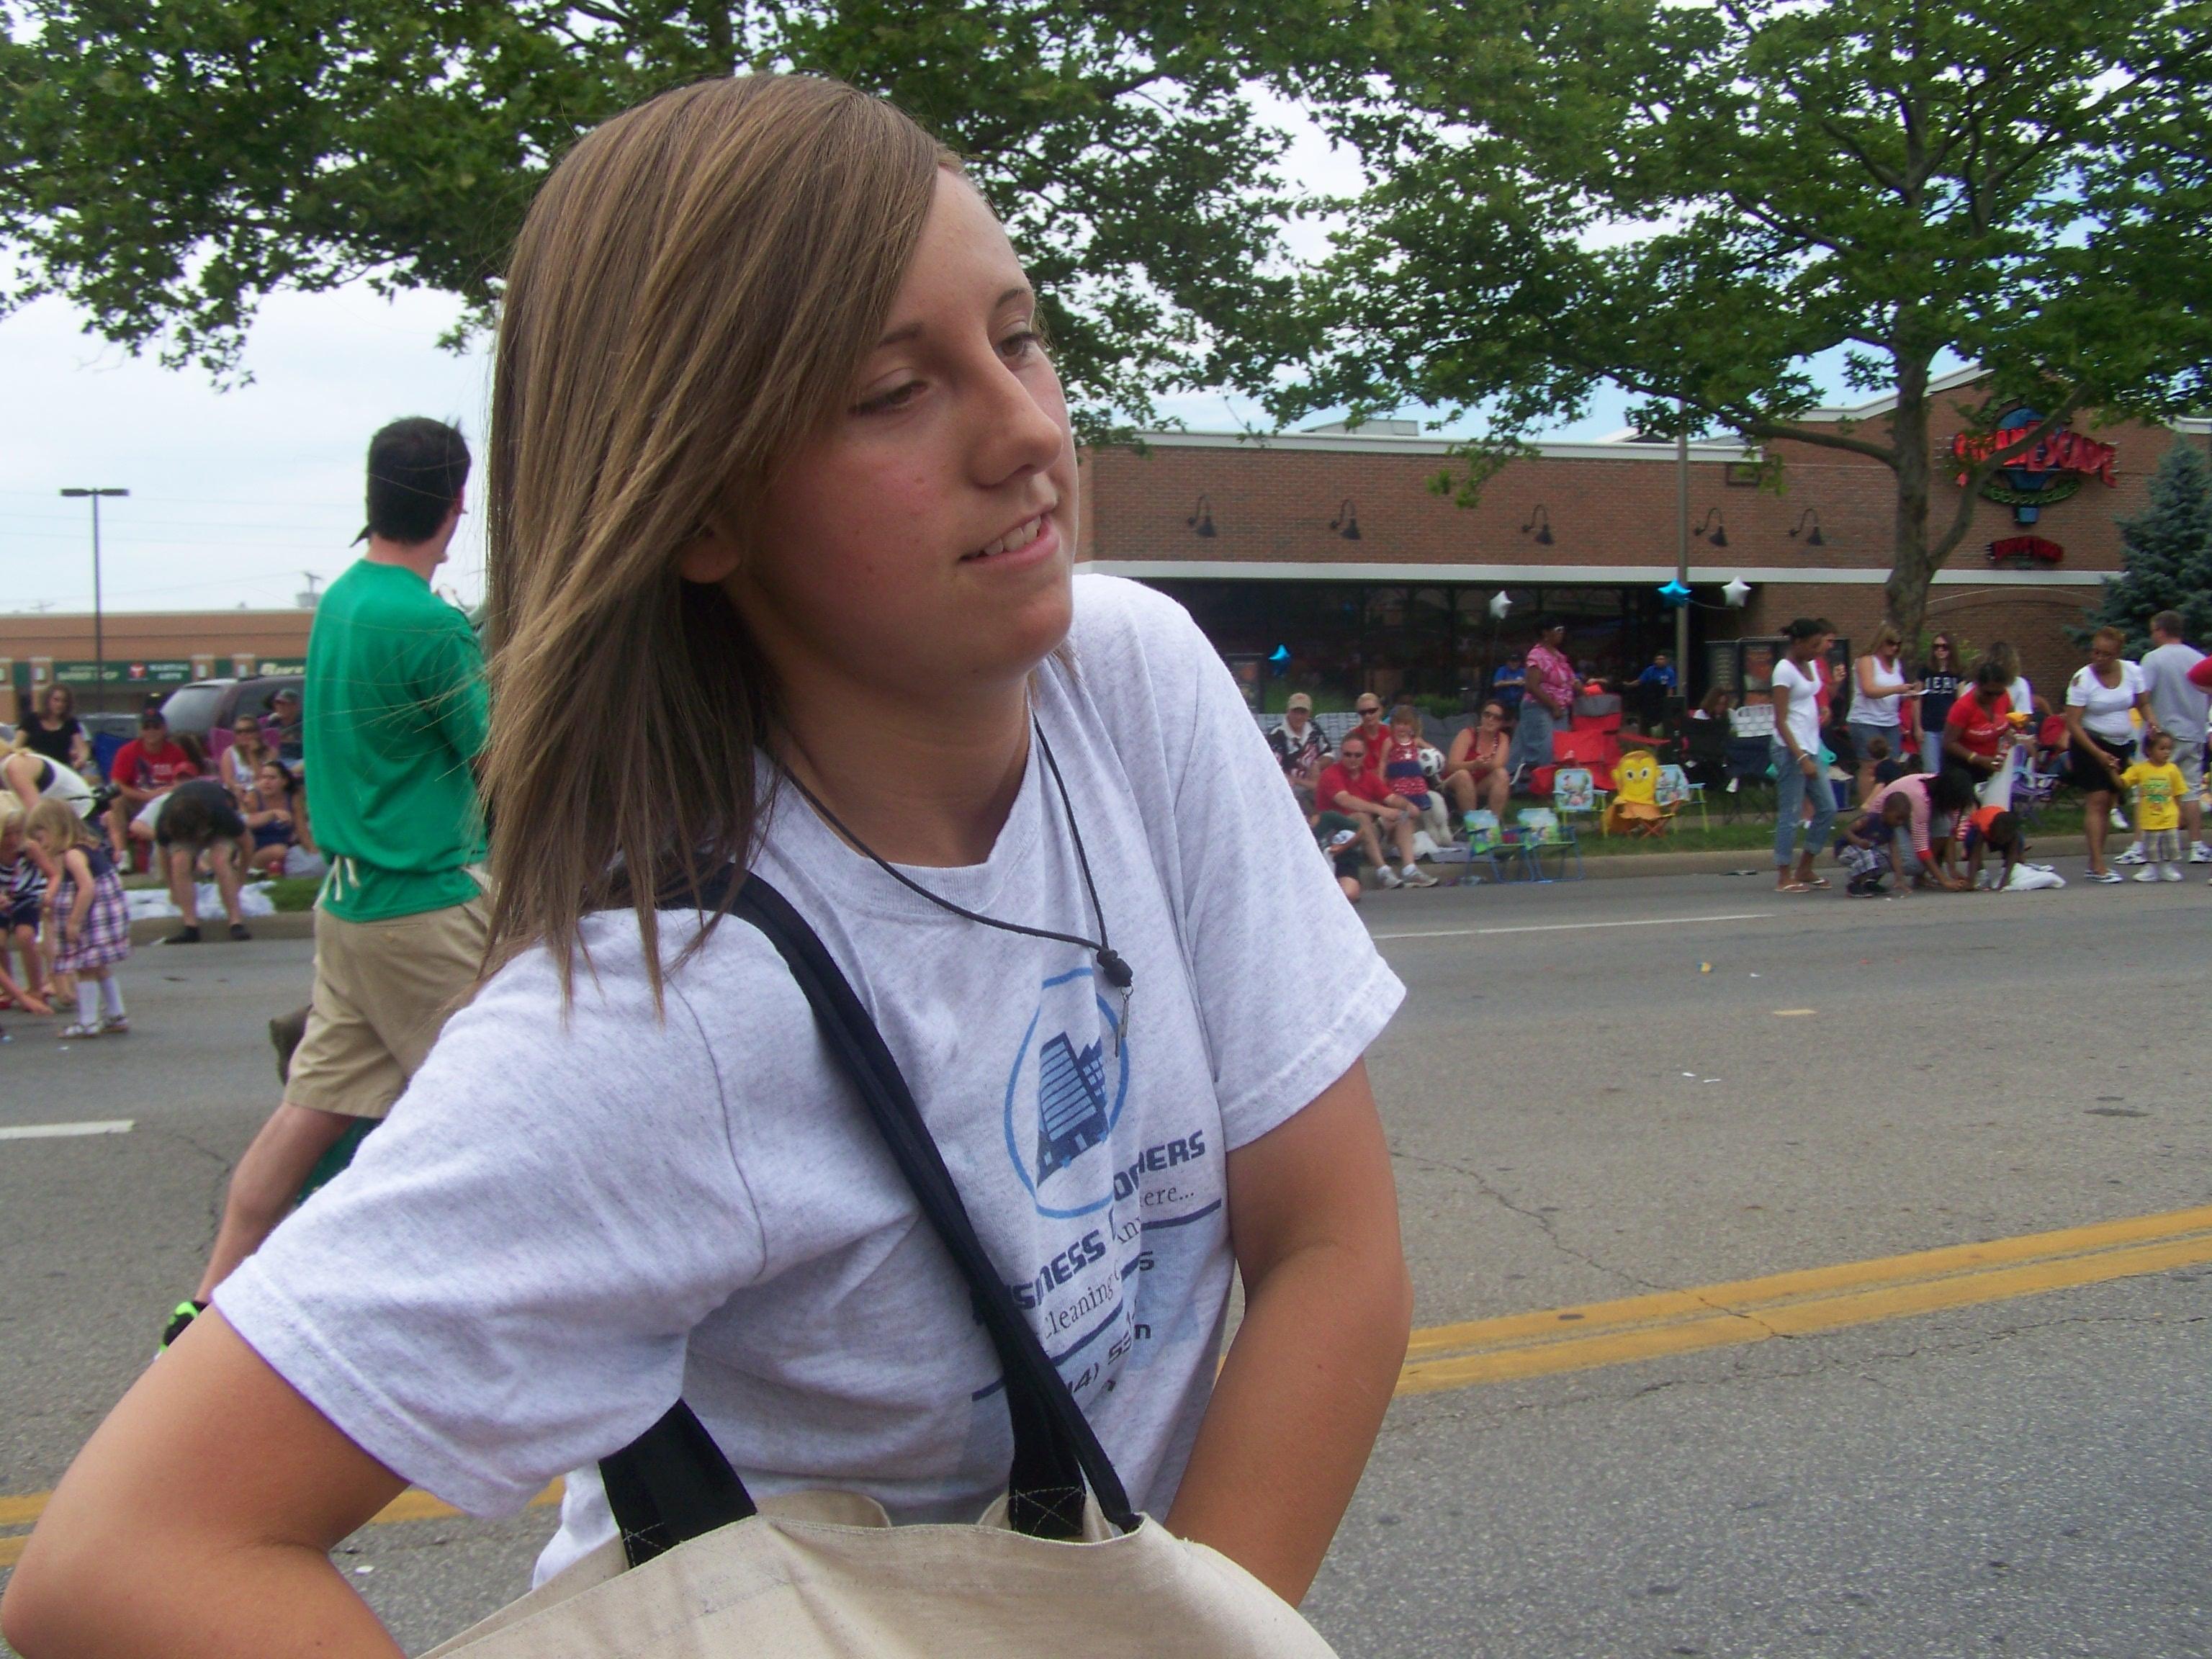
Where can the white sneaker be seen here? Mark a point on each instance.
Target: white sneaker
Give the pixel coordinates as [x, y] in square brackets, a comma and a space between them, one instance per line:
[2200, 854]
[1388, 877]
[1414, 876]
[2171, 872]
[2119, 819]
[2147, 873]
[2133, 855]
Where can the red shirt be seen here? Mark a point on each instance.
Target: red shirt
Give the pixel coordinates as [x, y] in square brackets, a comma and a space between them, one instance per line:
[1335, 781]
[140, 768]
[1977, 727]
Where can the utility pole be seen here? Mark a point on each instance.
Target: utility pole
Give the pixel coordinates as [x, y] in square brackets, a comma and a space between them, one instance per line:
[98, 632]
[1682, 562]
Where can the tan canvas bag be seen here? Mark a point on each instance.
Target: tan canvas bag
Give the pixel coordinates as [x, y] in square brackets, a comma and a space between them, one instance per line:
[1059, 1568]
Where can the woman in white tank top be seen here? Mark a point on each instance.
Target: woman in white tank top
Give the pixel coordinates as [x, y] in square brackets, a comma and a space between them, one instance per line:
[1880, 706]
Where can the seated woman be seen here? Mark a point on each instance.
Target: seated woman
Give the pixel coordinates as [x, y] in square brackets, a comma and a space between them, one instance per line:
[242, 761]
[1475, 771]
[276, 817]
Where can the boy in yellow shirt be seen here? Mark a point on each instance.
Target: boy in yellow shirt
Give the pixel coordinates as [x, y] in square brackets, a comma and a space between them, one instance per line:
[2159, 788]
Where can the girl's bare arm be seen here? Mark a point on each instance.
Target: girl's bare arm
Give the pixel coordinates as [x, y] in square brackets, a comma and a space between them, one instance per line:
[1313, 1215]
[197, 1522]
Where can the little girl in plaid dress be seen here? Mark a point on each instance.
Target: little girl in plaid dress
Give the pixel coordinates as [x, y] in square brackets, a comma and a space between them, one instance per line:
[92, 918]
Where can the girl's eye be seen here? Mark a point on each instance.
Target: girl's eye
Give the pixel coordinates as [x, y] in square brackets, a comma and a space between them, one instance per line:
[898, 397]
[1025, 343]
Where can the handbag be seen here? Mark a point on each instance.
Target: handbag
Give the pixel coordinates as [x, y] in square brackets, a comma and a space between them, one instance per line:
[1058, 1564]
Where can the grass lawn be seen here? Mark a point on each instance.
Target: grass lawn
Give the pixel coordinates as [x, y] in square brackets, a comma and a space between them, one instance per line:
[1755, 833]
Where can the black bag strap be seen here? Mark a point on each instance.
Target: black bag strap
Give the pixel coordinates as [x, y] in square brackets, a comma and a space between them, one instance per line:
[673, 1484]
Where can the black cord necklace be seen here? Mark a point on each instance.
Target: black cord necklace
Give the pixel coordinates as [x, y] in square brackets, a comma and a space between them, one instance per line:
[1112, 968]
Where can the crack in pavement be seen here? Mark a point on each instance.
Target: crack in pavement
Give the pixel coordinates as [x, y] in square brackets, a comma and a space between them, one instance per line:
[1541, 1221]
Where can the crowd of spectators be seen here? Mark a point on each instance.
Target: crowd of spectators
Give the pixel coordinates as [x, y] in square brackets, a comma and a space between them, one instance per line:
[1912, 775]
[160, 804]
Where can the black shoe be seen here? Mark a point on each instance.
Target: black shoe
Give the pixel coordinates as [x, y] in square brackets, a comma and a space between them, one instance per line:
[239, 930]
[184, 936]
[186, 1312]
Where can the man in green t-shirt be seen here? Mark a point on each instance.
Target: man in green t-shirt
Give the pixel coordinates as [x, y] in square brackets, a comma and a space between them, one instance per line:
[394, 715]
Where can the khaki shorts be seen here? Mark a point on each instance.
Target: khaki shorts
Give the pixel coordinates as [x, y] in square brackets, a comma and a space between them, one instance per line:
[2189, 758]
[383, 990]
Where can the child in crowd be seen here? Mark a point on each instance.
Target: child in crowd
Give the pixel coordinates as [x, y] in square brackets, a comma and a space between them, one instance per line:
[1871, 842]
[92, 918]
[22, 889]
[2159, 789]
[1886, 767]
[1404, 775]
[1989, 829]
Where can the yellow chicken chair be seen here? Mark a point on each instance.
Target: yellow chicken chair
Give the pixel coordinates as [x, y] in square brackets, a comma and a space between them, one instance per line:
[1634, 808]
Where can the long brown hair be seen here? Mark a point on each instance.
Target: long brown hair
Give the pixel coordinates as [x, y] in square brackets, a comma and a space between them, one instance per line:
[692, 294]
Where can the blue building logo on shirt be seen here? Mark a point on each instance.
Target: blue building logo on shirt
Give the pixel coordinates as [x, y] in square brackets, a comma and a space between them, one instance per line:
[1064, 1094]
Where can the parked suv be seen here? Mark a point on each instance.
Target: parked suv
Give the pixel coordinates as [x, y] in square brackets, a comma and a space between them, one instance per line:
[208, 706]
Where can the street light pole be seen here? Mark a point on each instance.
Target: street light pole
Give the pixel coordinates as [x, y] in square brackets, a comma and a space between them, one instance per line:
[1682, 562]
[99, 631]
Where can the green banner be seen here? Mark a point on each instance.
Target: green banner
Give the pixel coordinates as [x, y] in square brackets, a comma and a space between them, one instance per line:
[172, 672]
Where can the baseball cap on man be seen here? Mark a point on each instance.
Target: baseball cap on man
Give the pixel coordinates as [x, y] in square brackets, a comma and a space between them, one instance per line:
[1299, 700]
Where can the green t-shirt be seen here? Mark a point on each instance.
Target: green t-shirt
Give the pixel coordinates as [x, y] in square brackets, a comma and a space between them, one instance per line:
[393, 713]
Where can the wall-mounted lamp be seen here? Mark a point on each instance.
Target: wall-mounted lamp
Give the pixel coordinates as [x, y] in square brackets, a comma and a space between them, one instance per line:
[1346, 521]
[1814, 538]
[1711, 528]
[1201, 517]
[1539, 520]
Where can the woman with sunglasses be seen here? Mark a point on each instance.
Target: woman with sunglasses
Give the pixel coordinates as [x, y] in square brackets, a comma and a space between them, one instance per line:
[1941, 679]
[1476, 772]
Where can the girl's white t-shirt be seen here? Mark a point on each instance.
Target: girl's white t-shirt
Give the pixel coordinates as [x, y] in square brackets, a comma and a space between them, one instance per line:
[568, 1221]
[1804, 685]
[2106, 710]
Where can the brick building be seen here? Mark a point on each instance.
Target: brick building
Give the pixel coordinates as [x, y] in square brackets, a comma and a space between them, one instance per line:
[149, 653]
[1334, 547]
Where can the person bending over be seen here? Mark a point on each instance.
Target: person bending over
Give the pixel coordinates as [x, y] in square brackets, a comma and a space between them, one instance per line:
[201, 817]
[1870, 844]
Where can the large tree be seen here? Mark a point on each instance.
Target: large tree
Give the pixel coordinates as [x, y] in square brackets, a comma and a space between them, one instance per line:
[1705, 204]
[165, 164]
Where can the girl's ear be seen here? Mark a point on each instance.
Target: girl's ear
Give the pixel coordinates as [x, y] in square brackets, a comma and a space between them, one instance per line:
[710, 558]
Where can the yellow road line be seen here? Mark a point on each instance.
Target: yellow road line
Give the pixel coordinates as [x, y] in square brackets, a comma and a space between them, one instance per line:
[413, 1504]
[1800, 1303]
[1597, 1334]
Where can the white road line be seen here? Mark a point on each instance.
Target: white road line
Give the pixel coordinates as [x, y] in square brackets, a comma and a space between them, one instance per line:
[1570, 927]
[112, 1126]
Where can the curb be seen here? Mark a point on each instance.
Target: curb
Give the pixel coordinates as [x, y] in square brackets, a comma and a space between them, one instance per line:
[1754, 860]
[285, 924]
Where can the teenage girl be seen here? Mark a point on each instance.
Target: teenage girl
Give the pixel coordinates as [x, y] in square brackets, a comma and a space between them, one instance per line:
[780, 474]
[91, 918]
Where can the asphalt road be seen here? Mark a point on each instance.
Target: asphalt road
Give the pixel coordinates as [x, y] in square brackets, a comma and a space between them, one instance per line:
[1582, 1110]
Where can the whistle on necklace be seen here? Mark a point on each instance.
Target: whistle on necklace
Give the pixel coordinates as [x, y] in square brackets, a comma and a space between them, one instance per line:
[1118, 974]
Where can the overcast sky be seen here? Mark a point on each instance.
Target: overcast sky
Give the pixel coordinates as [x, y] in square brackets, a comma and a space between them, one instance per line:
[235, 495]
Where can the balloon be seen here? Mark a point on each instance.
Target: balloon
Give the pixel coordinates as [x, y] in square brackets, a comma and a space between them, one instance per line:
[1737, 593]
[1499, 604]
[1673, 596]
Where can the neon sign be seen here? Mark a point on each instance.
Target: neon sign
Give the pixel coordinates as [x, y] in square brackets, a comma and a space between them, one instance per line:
[2047, 472]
